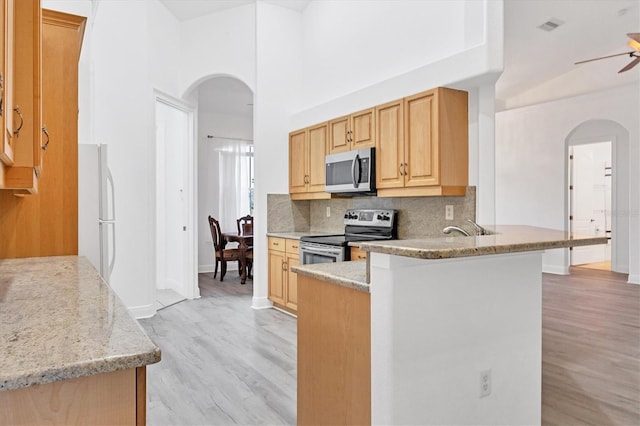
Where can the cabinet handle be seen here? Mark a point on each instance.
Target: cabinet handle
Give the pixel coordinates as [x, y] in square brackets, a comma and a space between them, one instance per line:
[276, 244]
[284, 266]
[17, 110]
[405, 169]
[401, 173]
[1, 93]
[46, 144]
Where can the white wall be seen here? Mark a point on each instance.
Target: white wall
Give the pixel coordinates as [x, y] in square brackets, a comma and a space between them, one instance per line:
[278, 84]
[530, 163]
[232, 126]
[222, 43]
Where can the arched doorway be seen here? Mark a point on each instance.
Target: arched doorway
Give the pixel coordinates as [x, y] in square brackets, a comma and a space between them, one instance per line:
[224, 158]
[601, 132]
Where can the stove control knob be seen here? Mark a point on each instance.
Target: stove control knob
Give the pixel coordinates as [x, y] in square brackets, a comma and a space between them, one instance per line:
[346, 216]
[380, 217]
[386, 217]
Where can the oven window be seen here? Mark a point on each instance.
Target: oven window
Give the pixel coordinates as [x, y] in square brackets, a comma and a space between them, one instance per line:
[311, 258]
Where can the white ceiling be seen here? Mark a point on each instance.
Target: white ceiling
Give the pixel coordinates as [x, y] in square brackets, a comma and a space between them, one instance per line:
[532, 57]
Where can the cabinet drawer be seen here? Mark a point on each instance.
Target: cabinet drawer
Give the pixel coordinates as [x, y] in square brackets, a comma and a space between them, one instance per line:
[293, 246]
[276, 243]
[357, 254]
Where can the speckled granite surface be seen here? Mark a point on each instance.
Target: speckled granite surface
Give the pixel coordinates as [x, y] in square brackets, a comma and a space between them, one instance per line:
[348, 274]
[507, 239]
[59, 320]
[294, 235]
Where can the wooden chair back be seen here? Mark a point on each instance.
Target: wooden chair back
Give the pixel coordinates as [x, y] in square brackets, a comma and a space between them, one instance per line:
[245, 225]
[216, 235]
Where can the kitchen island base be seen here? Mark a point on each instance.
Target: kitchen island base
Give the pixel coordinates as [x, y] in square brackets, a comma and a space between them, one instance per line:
[115, 398]
[438, 324]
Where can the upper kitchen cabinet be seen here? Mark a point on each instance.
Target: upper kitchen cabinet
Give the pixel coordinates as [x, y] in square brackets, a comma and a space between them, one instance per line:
[22, 106]
[353, 131]
[422, 145]
[307, 151]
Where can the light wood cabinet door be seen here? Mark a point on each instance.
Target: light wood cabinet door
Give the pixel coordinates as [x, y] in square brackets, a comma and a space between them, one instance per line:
[339, 135]
[291, 297]
[390, 145]
[357, 254]
[362, 129]
[317, 151]
[6, 68]
[276, 276]
[421, 157]
[298, 157]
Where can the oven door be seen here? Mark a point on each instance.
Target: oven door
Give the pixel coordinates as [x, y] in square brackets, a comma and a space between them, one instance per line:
[311, 253]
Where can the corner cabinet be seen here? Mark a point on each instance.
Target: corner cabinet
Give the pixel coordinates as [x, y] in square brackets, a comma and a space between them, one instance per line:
[283, 283]
[21, 145]
[307, 150]
[353, 131]
[422, 144]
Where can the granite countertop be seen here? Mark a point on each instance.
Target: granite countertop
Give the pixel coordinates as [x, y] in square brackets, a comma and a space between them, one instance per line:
[60, 320]
[504, 239]
[296, 235]
[348, 274]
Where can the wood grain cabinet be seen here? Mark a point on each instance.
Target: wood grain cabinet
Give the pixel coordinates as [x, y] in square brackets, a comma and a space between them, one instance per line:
[422, 144]
[22, 106]
[353, 131]
[307, 151]
[283, 283]
[357, 254]
[25, 222]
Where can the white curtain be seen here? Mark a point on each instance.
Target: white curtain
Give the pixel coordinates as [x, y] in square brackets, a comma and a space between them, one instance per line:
[233, 181]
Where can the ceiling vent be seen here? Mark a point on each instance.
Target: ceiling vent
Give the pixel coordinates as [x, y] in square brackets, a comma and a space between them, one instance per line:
[551, 24]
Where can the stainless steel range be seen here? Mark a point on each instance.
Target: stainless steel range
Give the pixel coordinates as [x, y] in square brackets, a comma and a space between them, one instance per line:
[360, 225]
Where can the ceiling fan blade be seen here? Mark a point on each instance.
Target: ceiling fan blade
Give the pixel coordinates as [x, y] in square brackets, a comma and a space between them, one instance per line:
[634, 44]
[603, 57]
[632, 64]
[634, 36]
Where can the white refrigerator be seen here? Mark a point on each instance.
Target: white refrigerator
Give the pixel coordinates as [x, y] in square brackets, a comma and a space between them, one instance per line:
[96, 209]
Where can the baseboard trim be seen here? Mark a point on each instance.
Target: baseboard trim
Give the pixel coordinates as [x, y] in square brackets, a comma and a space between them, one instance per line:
[261, 303]
[634, 279]
[146, 311]
[555, 269]
[204, 269]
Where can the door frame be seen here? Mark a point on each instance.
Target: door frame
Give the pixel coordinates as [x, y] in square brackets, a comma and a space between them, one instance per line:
[600, 130]
[190, 264]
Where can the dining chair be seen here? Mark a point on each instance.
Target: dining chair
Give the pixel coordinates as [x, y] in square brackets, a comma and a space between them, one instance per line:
[245, 225]
[222, 255]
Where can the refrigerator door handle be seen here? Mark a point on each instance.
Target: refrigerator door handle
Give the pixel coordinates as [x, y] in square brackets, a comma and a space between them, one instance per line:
[113, 219]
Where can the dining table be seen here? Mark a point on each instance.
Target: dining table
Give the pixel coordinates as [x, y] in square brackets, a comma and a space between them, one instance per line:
[245, 245]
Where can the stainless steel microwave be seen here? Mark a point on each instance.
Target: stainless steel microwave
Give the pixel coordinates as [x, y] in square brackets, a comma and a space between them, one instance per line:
[351, 173]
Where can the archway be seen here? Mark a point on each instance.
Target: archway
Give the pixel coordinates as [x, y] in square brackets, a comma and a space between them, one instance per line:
[595, 131]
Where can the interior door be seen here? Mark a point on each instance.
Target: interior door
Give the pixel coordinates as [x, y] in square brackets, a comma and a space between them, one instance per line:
[590, 199]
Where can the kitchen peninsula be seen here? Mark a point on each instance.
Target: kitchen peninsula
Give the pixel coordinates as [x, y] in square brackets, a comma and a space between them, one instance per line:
[70, 353]
[443, 330]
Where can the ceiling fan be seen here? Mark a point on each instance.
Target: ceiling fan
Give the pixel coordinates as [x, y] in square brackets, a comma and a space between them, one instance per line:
[634, 42]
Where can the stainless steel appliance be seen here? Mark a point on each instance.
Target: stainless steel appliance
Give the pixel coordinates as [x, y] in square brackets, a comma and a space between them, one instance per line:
[96, 209]
[360, 225]
[351, 173]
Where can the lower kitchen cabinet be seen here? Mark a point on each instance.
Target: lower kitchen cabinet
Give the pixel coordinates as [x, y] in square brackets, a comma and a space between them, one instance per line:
[283, 283]
[357, 254]
[117, 397]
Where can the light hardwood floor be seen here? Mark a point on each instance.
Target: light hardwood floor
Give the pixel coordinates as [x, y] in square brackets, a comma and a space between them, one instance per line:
[225, 363]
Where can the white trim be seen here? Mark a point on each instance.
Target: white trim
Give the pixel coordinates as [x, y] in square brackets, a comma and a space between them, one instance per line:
[192, 290]
[205, 269]
[261, 302]
[634, 279]
[555, 269]
[144, 311]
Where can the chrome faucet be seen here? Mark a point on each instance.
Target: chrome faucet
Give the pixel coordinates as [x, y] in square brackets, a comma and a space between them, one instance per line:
[448, 230]
[479, 229]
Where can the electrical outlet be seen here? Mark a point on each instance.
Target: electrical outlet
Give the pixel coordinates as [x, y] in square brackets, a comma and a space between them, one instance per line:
[448, 212]
[328, 211]
[485, 383]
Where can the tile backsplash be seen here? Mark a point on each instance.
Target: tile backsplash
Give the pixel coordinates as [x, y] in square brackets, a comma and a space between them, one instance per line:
[417, 216]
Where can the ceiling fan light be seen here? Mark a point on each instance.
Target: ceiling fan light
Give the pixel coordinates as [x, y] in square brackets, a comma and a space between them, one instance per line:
[634, 44]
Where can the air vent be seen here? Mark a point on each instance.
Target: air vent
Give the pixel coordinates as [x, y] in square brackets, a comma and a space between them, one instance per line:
[551, 24]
